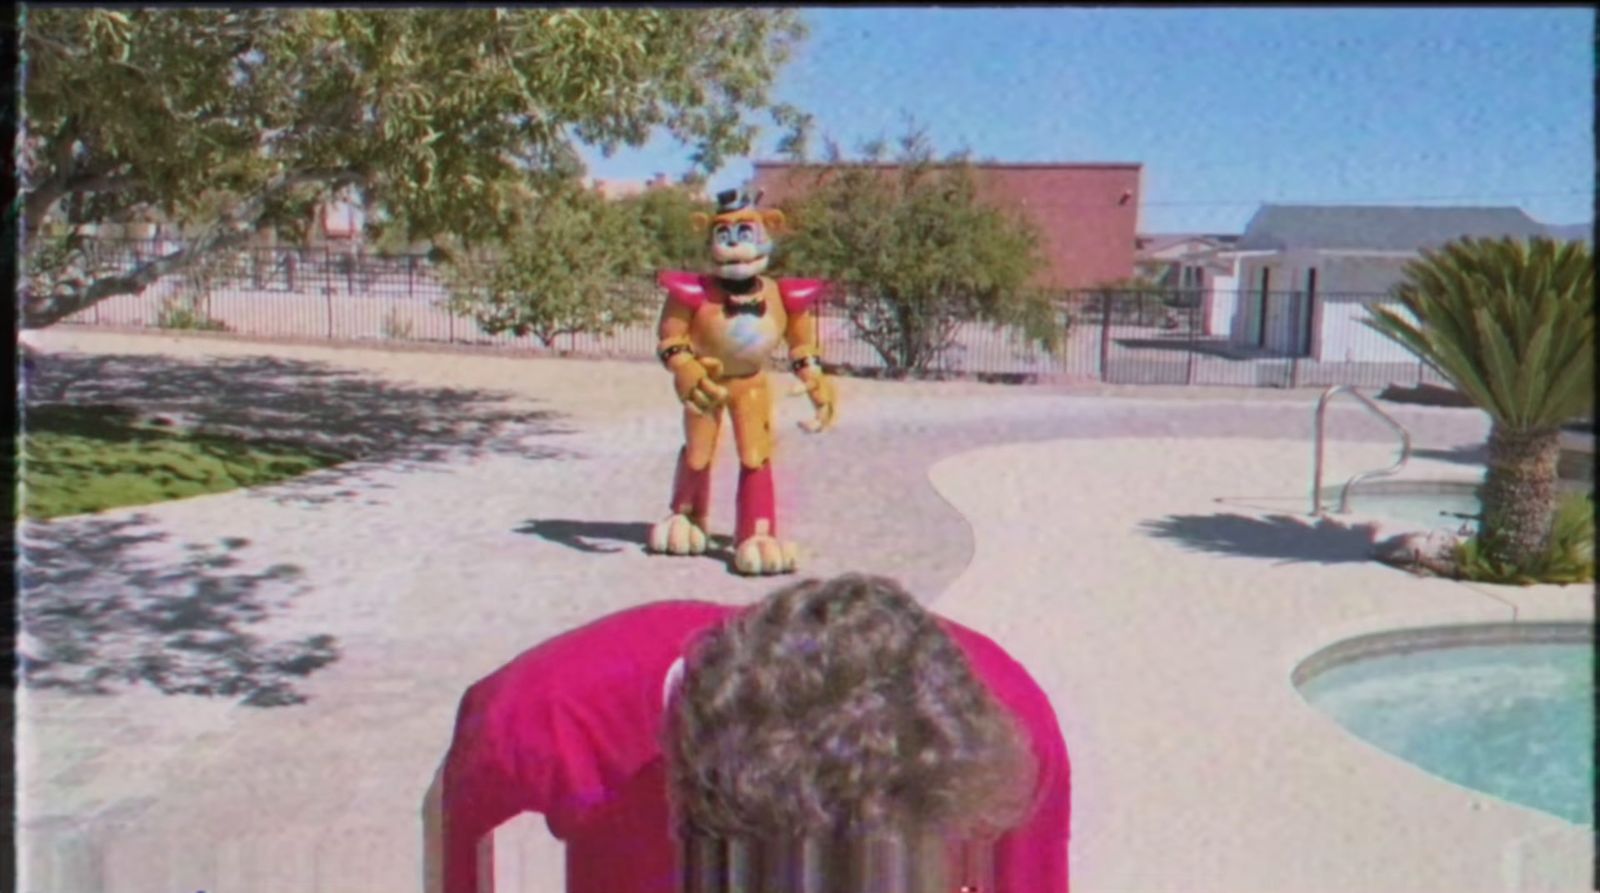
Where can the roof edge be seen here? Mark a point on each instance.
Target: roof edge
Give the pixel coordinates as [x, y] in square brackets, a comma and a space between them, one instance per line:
[1003, 165]
[1393, 207]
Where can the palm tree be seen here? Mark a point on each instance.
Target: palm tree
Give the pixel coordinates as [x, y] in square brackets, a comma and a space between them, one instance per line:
[1511, 325]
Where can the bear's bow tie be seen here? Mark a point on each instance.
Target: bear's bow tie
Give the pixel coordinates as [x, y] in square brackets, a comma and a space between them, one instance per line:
[748, 308]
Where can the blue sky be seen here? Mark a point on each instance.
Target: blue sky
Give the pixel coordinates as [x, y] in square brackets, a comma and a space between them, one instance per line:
[1225, 108]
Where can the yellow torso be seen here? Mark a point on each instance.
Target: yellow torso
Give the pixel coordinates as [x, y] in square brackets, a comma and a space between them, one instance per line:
[743, 342]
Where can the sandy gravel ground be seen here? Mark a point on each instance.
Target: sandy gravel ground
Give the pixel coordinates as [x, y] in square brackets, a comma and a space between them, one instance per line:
[500, 500]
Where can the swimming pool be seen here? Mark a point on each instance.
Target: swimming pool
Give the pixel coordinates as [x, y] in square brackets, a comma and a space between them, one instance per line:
[1425, 505]
[1508, 711]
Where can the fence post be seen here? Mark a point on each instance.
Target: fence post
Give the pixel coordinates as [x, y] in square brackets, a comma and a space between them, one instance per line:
[1194, 312]
[327, 286]
[411, 276]
[1105, 336]
[291, 264]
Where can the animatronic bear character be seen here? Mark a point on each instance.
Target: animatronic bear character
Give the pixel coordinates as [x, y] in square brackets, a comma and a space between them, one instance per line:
[717, 335]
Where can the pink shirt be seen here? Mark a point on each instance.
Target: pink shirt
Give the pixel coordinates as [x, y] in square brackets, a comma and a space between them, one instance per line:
[571, 729]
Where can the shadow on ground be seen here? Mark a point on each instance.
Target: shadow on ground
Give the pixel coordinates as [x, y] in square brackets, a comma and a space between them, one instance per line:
[265, 398]
[102, 609]
[597, 537]
[1466, 454]
[609, 537]
[1426, 395]
[1284, 537]
[1203, 345]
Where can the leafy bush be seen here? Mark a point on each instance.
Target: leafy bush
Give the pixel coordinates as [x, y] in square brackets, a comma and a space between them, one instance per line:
[396, 328]
[916, 251]
[559, 273]
[186, 315]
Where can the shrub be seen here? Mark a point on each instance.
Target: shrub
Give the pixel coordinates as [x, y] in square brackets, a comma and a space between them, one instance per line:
[1568, 556]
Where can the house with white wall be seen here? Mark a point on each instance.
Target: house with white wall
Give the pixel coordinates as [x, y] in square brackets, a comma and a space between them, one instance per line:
[1192, 265]
[1307, 274]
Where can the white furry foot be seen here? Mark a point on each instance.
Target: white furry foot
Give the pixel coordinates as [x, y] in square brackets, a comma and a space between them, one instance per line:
[760, 555]
[678, 535]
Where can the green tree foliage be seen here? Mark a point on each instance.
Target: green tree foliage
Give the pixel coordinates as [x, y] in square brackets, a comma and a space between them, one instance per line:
[1511, 325]
[671, 239]
[439, 118]
[573, 266]
[916, 250]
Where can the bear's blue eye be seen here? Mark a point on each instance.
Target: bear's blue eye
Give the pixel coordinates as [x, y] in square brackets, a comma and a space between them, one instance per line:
[723, 235]
[747, 233]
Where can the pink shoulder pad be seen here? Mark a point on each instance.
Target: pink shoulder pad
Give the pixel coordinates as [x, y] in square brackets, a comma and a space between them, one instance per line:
[800, 295]
[688, 289]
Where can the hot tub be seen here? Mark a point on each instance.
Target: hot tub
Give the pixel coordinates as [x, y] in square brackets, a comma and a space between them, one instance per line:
[1507, 710]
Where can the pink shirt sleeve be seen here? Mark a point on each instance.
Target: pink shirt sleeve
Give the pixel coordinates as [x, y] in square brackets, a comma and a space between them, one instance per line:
[1031, 858]
[560, 728]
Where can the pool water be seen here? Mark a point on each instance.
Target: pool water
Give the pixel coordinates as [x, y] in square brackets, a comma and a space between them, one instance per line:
[1448, 509]
[1421, 506]
[1515, 721]
[1424, 505]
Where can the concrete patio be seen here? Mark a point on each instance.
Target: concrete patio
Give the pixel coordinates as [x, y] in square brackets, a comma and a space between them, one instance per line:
[1146, 553]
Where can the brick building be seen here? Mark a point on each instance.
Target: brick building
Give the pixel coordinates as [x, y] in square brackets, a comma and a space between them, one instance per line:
[615, 189]
[1087, 214]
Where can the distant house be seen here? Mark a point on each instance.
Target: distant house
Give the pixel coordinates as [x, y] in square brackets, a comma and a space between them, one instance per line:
[617, 189]
[1307, 273]
[1573, 232]
[1086, 214]
[1192, 265]
[341, 225]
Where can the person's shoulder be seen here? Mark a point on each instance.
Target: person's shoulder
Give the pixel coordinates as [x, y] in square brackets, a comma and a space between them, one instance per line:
[1005, 675]
[672, 611]
[977, 645]
[638, 635]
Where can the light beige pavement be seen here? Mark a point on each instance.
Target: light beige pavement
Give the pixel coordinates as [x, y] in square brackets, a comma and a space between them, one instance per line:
[1197, 764]
[449, 549]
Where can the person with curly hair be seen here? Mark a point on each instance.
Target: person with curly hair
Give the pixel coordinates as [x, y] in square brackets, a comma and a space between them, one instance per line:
[835, 737]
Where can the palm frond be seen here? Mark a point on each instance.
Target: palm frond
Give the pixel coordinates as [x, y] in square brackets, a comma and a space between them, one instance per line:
[1510, 323]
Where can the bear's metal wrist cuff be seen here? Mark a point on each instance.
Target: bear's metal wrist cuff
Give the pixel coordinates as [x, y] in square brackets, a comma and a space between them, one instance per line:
[799, 365]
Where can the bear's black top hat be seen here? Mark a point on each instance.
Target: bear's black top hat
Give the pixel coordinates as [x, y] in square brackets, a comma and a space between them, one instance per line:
[730, 200]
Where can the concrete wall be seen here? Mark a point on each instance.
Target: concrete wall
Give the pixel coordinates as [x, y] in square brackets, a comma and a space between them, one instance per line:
[1345, 286]
[1222, 300]
[1343, 338]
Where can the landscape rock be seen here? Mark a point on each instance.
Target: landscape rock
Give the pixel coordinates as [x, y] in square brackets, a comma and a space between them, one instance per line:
[1430, 552]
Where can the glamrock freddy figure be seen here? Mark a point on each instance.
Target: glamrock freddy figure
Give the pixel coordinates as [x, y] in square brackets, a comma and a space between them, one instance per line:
[717, 334]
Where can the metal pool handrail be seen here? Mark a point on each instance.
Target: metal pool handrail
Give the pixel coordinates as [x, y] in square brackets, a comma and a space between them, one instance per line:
[1344, 494]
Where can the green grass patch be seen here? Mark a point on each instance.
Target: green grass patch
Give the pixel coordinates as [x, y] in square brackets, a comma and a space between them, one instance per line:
[89, 458]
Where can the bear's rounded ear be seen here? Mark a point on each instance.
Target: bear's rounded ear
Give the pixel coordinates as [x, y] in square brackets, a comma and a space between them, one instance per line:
[699, 220]
[775, 222]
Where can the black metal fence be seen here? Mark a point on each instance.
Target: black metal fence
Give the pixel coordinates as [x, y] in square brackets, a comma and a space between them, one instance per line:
[1173, 337]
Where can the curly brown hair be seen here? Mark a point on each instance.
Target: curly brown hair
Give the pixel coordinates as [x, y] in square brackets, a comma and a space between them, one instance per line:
[840, 707]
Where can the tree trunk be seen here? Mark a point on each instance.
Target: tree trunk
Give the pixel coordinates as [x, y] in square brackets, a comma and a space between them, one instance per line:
[1519, 493]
